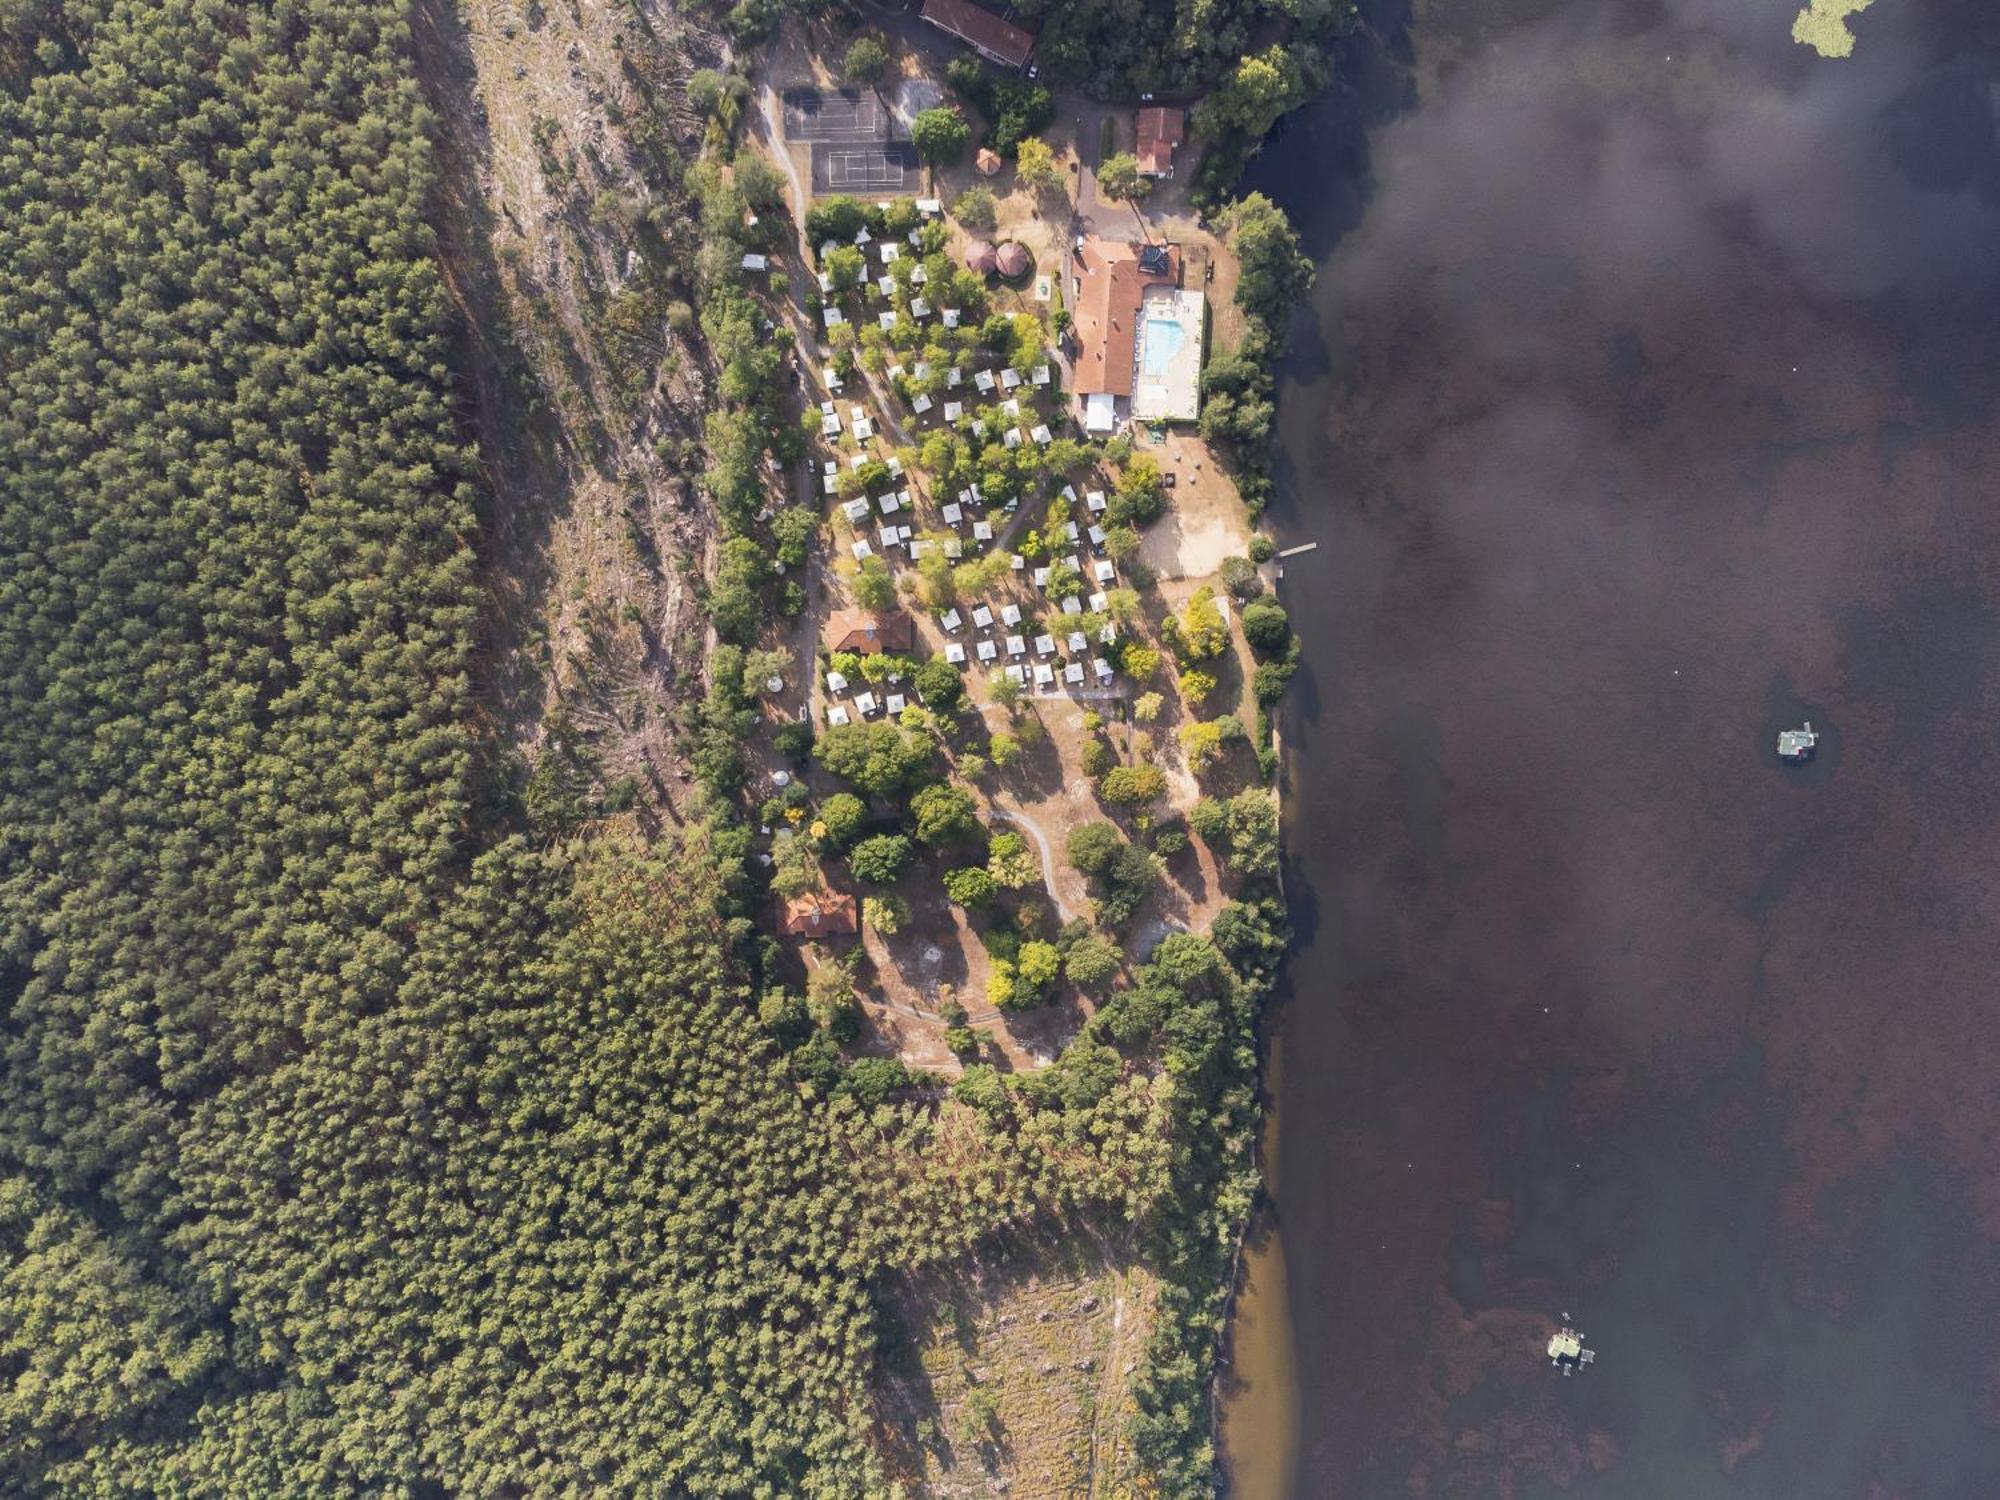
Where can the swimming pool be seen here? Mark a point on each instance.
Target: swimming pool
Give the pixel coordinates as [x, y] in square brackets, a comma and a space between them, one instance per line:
[1164, 337]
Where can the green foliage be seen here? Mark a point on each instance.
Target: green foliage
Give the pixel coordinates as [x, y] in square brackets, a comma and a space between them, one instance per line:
[1250, 100]
[870, 1080]
[1198, 632]
[874, 585]
[1035, 166]
[836, 217]
[940, 135]
[1244, 828]
[845, 266]
[1093, 846]
[866, 61]
[939, 684]
[350, 1141]
[971, 886]
[1012, 863]
[1276, 274]
[880, 858]
[942, 814]
[1140, 495]
[1119, 179]
[1268, 682]
[784, 1015]
[974, 208]
[1266, 627]
[888, 915]
[1015, 108]
[1089, 961]
[841, 816]
[794, 529]
[880, 759]
[1131, 786]
[1239, 575]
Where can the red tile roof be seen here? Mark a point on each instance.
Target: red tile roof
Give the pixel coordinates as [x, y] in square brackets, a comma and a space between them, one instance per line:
[981, 30]
[858, 631]
[1107, 312]
[818, 913]
[1160, 130]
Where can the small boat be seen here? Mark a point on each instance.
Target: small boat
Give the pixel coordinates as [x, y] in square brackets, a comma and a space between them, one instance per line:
[1797, 744]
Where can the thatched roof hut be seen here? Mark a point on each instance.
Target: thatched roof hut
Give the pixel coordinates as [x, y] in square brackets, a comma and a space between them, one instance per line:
[988, 160]
[1012, 260]
[982, 257]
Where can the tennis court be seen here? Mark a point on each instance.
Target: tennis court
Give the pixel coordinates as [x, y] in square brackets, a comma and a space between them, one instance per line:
[846, 115]
[846, 169]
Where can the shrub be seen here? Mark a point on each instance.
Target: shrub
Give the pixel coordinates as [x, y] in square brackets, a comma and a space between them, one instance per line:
[881, 760]
[840, 818]
[1196, 686]
[1130, 786]
[943, 814]
[872, 1079]
[1093, 846]
[1003, 749]
[940, 135]
[939, 684]
[974, 208]
[886, 914]
[1147, 708]
[880, 859]
[1035, 971]
[1269, 681]
[1239, 575]
[1266, 626]
[1090, 961]
[867, 60]
[971, 886]
[1012, 863]
[1096, 758]
[874, 585]
[1140, 662]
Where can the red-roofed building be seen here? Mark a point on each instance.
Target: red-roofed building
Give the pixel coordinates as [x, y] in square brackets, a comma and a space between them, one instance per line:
[1109, 281]
[1160, 130]
[821, 914]
[981, 30]
[863, 633]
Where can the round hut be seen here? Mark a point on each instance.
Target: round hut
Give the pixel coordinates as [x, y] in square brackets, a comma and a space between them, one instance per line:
[1012, 260]
[982, 257]
[988, 161]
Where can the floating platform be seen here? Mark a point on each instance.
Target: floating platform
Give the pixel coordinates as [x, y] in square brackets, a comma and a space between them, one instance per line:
[1797, 744]
[1566, 1351]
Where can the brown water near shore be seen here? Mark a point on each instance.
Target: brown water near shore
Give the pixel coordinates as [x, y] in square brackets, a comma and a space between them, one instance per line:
[1647, 404]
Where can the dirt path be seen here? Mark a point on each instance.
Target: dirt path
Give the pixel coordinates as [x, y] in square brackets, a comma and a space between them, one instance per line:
[1048, 860]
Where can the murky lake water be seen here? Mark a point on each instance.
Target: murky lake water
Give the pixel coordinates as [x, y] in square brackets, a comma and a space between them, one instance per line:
[1647, 405]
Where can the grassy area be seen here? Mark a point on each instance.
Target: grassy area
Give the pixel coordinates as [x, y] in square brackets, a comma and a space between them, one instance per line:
[1019, 1378]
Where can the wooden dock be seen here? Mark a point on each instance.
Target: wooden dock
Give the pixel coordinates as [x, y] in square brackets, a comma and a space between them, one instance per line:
[1302, 547]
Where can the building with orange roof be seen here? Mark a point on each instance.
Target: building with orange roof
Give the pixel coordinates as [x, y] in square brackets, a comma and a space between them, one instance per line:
[1160, 131]
[864, 632]
[985, 33]
[821, 914]
[1108, 282]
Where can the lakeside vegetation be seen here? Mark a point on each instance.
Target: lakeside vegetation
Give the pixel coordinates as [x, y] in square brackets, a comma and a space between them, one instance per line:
[370, 1120]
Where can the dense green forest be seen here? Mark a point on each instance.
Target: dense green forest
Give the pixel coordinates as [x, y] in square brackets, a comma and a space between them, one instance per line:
[351, 1140]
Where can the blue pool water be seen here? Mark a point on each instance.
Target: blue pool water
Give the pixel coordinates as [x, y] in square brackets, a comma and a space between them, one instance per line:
[1164, 337]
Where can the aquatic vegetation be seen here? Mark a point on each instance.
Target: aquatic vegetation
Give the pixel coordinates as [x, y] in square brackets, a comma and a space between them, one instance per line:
[1822, 26]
